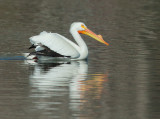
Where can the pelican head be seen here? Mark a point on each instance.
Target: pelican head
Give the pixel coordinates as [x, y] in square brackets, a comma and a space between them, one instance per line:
[82, 29]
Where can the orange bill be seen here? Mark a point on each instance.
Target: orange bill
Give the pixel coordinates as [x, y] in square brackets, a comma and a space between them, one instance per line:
[93, 35]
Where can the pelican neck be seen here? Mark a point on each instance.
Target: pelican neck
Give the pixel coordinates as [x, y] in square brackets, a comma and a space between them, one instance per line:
[82, 45]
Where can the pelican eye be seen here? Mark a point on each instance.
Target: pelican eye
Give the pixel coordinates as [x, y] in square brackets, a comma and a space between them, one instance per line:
[82, 26]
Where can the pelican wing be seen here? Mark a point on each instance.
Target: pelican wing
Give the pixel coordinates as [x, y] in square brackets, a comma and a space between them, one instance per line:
[56, 43]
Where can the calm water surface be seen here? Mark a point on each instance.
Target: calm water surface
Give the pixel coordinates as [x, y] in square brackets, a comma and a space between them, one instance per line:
[120, 81]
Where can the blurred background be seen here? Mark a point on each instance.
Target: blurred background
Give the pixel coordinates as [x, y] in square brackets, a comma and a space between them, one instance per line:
[120, 81]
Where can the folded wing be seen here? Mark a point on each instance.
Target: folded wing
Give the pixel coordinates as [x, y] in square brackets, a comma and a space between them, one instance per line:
[56, 43]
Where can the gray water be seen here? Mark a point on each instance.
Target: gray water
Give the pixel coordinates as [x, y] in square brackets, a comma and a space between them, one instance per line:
[120, 81]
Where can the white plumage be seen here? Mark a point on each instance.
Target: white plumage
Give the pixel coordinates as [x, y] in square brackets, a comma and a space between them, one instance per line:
[56, 43]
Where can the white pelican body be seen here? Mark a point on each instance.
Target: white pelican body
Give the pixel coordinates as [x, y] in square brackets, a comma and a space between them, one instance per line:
[56, 45]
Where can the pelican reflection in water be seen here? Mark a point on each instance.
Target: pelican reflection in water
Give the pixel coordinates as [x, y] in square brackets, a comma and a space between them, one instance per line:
[57, 87]
[56, 80]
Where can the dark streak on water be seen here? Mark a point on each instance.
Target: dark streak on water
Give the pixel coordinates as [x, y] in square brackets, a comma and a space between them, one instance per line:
[13, 58]
[118, 82]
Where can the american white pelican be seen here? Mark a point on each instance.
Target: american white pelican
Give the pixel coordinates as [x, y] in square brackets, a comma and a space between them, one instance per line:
[56, 45]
